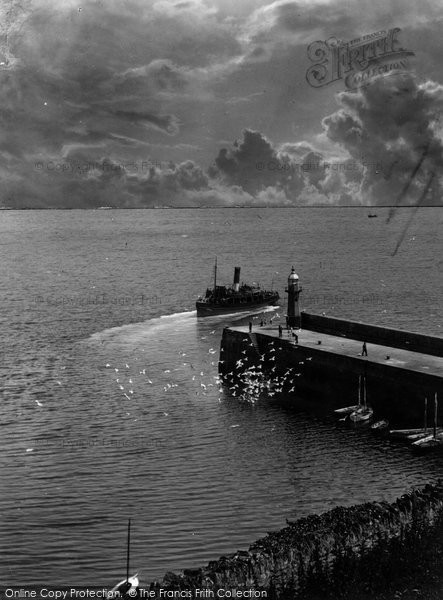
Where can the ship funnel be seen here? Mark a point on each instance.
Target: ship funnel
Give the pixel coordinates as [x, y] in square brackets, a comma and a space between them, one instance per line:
[237, 279]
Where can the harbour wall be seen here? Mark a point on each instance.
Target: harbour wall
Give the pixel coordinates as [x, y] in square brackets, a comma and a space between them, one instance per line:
[396, 338]
[360, 549]
[329, 380]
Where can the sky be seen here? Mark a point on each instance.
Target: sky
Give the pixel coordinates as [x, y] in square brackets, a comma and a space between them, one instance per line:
[140, 103]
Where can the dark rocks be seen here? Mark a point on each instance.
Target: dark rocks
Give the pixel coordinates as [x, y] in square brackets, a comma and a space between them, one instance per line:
[324, 548]
[192, 572]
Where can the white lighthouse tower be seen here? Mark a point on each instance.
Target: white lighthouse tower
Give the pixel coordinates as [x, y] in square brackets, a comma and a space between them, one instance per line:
[293, 290]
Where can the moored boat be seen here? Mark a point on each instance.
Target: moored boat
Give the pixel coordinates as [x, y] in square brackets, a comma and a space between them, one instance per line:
[429, 443]
[380, 426]
[126, 588]
[347, 410]
[221, 299]
[413, 433]
[433, 440]
[419, 436]
[362, 414]
[404, 434]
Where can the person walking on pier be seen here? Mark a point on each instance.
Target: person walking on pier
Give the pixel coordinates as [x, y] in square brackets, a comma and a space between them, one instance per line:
[250, 326]
[280, 331]
[364, 351]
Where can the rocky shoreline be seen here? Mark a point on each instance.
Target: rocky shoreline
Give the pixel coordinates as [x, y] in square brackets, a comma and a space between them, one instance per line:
[371, 551]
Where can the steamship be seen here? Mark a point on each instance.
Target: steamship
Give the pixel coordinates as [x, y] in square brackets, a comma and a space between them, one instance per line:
[222, 299]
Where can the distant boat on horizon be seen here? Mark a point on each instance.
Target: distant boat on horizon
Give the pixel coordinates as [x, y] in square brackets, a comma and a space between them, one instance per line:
[372, 216]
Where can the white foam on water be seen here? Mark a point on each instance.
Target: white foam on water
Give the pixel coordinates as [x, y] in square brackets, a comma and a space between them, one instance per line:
[137, 332]
[175, 323]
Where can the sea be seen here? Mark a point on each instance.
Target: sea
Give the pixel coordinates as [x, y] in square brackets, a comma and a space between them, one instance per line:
[111, 406]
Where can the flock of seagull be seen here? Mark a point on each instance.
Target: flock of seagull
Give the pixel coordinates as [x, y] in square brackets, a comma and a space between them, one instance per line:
[248, 381]
[251, 382]
[126, 385]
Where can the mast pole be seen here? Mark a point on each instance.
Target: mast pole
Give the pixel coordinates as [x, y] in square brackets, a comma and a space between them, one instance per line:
[359, 391]
[127, 551]
[215, 274]
[426, 415]
[435, 415]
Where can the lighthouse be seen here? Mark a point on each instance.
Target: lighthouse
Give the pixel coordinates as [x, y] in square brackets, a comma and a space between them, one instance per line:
[293, 290]
[236, 285]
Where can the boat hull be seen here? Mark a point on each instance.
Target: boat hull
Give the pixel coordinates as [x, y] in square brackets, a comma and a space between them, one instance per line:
[361, 415]
[347, 410]
[206, 309]
[125, 589]
[380, 426]
[411, 434]
[428, 443]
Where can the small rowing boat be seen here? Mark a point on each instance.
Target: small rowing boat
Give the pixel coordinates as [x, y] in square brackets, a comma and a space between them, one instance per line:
[380, 426]
[126, 588]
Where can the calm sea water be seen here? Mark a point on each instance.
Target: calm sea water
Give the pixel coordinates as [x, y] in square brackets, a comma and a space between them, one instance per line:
[110, 404]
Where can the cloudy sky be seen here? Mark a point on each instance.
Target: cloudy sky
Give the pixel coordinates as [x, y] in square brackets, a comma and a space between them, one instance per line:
[139, 103]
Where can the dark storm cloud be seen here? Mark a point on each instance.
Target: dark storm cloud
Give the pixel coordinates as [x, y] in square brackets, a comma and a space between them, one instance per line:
[290, 174]
[105, 182]
[241, 165]
[101, 76]
[392, 122]
[125, 80]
